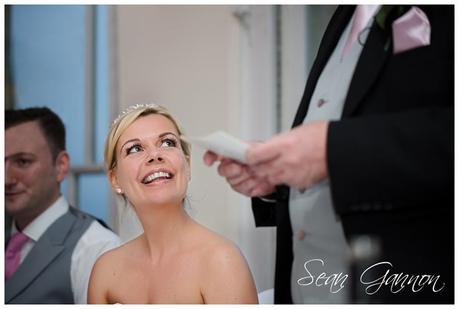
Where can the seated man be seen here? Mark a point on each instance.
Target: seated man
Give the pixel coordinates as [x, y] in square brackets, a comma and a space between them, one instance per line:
[51, 246]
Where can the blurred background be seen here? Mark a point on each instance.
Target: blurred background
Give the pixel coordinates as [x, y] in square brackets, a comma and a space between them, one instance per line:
[241, 69]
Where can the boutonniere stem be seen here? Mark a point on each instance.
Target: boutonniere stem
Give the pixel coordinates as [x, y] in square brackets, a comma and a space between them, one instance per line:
[384, 11]
[382, 15]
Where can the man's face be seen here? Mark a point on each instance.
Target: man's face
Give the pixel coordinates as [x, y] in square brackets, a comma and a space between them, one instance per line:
[32, 178]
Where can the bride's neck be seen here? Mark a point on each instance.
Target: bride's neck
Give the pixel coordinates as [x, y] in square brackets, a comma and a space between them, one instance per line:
[163, 227]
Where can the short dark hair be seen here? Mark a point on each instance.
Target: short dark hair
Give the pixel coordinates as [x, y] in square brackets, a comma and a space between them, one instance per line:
[51, 125]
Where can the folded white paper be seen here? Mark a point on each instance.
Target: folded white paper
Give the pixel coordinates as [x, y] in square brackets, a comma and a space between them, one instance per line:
[221, 143]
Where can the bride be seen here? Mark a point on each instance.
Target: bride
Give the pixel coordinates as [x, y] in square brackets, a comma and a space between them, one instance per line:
[175, 260]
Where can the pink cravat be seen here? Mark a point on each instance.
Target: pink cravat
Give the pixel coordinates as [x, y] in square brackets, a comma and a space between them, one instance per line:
[13, 253]
[363, 13]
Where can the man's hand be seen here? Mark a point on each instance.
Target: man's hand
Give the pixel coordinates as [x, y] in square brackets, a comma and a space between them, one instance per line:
[296, 158]
[240, 177]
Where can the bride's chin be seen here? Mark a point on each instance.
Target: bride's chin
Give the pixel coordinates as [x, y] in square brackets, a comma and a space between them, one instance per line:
[164, 202]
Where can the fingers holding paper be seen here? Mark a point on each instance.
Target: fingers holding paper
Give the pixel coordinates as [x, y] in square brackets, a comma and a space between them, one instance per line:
[240, 177]
[296, 158]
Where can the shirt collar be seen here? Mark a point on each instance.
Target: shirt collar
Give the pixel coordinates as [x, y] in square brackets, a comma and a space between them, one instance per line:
[40, 224]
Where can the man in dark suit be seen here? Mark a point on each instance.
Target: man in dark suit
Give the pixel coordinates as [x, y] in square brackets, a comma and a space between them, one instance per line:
[389, 157]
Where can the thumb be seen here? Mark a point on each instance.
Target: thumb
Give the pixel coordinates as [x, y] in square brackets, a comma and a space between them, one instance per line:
[261, 152]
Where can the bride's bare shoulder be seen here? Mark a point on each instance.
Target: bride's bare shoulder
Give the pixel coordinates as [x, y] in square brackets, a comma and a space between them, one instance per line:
[223, 265]
[111, 268]
[211, 243]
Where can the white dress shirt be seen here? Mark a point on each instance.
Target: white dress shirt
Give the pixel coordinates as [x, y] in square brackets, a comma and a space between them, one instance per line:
[317, 230]
[94, 241]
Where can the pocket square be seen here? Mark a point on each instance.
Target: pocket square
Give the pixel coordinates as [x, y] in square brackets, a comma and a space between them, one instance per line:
[411, 30]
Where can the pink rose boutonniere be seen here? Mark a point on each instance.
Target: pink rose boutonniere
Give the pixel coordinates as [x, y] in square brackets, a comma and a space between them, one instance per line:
[409, 31]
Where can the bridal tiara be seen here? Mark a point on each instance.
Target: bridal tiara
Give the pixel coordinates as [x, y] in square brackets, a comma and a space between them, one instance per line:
[133, 108]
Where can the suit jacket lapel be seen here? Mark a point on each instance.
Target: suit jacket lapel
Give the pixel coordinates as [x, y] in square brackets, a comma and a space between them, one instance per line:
[371, 61]
[8, 225]
[331, 37]
[49, 247]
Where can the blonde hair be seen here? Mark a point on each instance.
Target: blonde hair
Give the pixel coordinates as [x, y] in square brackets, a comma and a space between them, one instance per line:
[125, 119]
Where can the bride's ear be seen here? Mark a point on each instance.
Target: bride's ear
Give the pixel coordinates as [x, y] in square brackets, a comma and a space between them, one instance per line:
[188, 160]
[114, 181]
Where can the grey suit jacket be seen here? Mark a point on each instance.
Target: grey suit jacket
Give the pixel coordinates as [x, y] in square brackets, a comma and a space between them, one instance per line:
[44, 275]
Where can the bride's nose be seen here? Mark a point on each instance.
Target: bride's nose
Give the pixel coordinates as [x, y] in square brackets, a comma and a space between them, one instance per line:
[155, 155]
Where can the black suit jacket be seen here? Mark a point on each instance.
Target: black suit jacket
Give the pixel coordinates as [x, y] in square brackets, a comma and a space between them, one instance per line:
[390, 158]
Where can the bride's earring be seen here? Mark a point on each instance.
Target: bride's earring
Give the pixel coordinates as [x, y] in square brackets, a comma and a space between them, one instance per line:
[119, 191]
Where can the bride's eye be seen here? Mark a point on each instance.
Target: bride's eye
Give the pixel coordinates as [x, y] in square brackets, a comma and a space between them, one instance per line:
[133, 149]
[168, 142]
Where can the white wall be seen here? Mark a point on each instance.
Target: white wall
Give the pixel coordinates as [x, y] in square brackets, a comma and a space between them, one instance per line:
[293, 61]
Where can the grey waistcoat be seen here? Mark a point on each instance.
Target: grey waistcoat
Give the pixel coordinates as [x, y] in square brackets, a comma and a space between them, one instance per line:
[44, 275]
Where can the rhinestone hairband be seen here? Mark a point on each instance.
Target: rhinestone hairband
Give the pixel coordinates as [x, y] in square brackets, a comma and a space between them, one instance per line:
[133, 108]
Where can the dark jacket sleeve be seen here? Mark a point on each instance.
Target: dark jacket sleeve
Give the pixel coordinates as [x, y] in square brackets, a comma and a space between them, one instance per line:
[382, 162]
